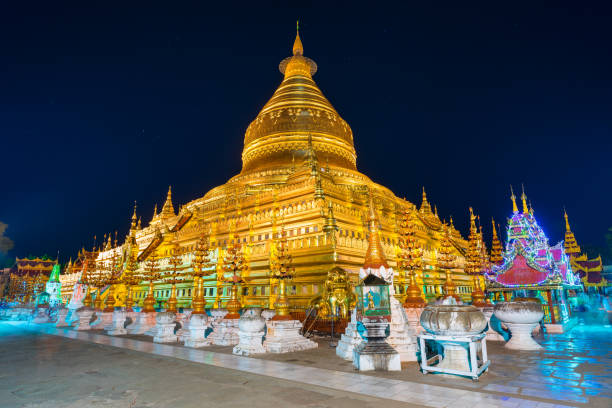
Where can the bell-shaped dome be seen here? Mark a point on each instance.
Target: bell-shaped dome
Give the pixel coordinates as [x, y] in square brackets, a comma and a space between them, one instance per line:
[279, 135]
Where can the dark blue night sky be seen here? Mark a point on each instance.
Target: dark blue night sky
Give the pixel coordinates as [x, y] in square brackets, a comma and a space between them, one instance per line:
[103, 105]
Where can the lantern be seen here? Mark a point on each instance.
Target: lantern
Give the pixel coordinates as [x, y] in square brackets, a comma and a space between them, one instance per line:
[373, 318]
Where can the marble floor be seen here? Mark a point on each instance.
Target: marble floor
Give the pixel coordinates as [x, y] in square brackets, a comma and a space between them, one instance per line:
[573, 370]
[38, 370]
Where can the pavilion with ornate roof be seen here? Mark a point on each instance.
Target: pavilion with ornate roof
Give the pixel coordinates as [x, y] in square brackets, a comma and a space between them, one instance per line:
[531, 268]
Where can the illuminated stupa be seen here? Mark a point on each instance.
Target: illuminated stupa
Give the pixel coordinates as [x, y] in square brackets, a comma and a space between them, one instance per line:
[298, 172]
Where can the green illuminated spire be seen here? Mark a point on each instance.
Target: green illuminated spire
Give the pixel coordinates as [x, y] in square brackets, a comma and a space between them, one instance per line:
[55, 273]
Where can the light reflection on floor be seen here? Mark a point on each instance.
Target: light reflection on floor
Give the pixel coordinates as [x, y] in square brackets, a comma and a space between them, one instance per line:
[574, 368]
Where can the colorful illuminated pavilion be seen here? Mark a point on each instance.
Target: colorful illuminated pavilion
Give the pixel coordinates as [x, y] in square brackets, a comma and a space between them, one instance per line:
[531, 268]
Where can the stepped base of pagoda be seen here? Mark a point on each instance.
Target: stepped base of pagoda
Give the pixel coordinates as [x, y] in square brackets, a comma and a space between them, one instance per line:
[283, 336]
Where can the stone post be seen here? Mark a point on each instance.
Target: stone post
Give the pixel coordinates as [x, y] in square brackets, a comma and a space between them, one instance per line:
[250, 332]
[85, 315]
[166, 323]
[197, 331]
[62, 318]
[118, 328]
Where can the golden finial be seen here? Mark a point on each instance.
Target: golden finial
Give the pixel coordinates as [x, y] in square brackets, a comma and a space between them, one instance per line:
[298, 48]
[567, 226]
[133, 225]
[524, 200]
[513, 198]
[494, 230]
[155, 211]
[472, 221]
[139, 226]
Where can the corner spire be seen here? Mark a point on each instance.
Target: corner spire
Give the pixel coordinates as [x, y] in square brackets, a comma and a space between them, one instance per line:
[168, 208]
[513, 198]
[567, 226]
[425, 207]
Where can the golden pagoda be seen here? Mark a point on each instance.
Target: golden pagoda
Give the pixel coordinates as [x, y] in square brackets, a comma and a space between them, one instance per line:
[299, 171]
[590, 270]
[496, 247]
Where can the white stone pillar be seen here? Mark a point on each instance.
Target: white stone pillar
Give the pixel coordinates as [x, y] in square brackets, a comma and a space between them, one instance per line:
[250, 332]
[118, 327]
[62, 317]
[198, 324]
[85, 315]
[225, 332]
[42, 315]
[143, 322]
[166, 323]
[414, 318]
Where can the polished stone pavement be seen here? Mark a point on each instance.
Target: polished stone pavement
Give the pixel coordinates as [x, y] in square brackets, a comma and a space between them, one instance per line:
[537, 384]
[43, 371]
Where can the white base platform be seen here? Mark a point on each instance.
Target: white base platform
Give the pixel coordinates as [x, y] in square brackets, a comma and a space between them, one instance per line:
[225, 332]
[283, 336]
[349, 340]
[250, 343]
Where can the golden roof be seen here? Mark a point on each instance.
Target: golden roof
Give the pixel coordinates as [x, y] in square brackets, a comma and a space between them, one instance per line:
[279, 134]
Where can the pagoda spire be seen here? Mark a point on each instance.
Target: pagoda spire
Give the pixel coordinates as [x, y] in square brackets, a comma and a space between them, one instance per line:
[472, 263]
[496, 247]
[374, 257]
[513, 198]
[134, 218]
[168, 208]
[410, 260]
[154, 212]
[524, 200]
[425, 206]
[571, 245]
[445, 260]
[298, 48]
